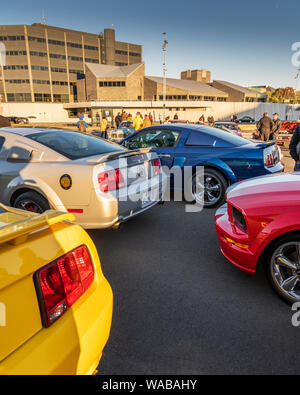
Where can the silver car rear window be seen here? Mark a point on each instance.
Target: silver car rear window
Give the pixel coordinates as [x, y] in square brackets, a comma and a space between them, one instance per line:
[74, 145]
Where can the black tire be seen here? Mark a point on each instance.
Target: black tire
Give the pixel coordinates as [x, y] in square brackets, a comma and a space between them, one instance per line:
[218, 179]
[270, 267]
[31, 201]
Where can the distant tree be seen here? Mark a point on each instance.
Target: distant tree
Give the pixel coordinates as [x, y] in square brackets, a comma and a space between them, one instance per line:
[282, 95]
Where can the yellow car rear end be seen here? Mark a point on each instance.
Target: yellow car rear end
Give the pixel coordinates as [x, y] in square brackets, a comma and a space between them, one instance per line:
[56, 305]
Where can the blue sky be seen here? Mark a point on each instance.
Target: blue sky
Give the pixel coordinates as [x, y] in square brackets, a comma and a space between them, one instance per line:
[248, 43]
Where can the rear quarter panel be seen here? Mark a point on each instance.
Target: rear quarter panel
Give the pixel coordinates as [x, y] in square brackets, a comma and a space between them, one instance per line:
[17, 292]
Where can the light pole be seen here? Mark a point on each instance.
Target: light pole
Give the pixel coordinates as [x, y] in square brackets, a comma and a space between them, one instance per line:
[164, 75]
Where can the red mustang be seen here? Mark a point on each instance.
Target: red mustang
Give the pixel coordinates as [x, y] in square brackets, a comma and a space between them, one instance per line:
[260, 224]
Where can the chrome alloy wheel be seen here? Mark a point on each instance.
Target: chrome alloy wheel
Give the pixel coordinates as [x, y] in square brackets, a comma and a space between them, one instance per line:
[208, 194]
[285, 269]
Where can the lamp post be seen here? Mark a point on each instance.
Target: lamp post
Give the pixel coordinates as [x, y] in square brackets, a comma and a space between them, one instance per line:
[164, 75]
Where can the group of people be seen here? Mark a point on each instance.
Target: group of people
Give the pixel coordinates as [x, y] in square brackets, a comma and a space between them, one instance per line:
[268, 128]
[83, 126]
[139, 121]
[210, 120]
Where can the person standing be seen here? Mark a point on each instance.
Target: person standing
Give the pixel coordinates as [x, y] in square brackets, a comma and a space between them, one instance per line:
[82, 125]
[295, 148]
[176, 117]
[151, 118]
[202, 119]
[276, 127]
[265, 126]
[147, 122]
[97, 119]
[118, 119]
[137, 122]
[103, 127]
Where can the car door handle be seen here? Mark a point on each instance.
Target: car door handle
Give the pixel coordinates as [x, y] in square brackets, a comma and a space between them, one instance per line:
[164, 156]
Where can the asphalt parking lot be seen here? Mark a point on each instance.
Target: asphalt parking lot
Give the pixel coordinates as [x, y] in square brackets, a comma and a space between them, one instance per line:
[181, 308]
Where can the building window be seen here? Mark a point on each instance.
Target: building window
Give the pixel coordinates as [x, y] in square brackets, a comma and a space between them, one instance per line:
[76, 58]
[134, 54]
[173, 97]
[208, 98]
[57, 56]
[41, 54]
[43, 82]
[56, 42]
[17, 81]
[15, 67]
[61, 98]
[42, 97]
[74, 45]
[89, 60]
[112, 84]
[16, 53]
[119, 52]
[37, 39]
[18, 97]
[40, 68]
[58, 70]
[195, 97]
[61, 83]
[91, 48]
[76, 71]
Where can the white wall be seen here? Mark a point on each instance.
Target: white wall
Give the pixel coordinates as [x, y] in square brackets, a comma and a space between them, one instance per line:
[55, 112]
[44, 112]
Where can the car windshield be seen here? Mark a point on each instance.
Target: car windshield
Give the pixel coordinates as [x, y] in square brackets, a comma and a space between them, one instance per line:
[74, 145]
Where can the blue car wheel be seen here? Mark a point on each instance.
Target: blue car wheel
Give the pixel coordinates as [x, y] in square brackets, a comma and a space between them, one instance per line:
[210, 191]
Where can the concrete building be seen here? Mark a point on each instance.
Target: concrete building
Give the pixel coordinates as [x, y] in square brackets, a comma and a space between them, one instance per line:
[182, 90]
[238, 93]
[202, 75]
[104, 82]
[44, 62]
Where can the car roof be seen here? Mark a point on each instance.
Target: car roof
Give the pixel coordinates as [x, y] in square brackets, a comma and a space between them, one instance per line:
[27, 131]
[179, 126]
[227, 123]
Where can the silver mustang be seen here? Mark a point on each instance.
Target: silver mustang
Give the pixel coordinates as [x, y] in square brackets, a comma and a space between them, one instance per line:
[102, 183]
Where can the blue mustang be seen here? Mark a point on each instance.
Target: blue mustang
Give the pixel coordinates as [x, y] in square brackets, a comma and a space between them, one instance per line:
[226, 158]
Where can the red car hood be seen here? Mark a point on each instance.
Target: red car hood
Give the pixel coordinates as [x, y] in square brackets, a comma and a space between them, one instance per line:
[268, 193]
